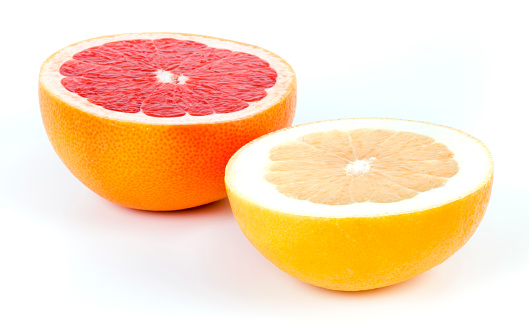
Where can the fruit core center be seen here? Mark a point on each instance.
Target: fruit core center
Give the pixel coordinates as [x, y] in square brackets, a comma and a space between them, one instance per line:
[182, 79]
[359, 167]
[165, 76]
[169, 77]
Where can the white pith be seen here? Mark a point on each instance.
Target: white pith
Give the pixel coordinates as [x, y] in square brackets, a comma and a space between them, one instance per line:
[181, 79]
[359, 167]
[165, 76]
[246, 169]
[169, 77]
[50, 78]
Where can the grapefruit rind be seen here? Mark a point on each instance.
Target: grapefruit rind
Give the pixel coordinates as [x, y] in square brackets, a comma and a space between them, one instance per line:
[360, 253]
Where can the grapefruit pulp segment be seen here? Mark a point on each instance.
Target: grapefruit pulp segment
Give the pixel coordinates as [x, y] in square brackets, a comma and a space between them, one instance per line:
[369, 165]
[148, 76]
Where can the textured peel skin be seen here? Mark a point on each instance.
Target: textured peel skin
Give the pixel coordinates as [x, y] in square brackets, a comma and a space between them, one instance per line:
[360, 253]
[154, 167]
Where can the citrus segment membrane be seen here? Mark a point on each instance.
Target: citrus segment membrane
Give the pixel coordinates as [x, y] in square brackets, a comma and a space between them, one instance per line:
[167, 77]
[359, 167]
[364, 165]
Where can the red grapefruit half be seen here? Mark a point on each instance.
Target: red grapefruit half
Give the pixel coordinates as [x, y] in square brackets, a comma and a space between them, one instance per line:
[149, 120]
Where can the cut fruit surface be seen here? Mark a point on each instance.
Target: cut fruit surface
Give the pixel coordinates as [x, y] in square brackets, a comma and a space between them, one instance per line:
[360, 203]
[167, 77]
[149, 120]
[363, 165]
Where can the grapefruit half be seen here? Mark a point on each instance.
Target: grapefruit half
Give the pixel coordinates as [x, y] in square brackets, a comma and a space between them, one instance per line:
[358, 204]
[149, 120]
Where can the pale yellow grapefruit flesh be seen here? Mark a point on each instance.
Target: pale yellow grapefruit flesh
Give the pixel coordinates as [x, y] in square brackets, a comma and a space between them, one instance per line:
[364, 165]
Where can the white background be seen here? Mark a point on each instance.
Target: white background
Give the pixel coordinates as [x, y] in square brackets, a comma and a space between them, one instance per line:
[72, 259]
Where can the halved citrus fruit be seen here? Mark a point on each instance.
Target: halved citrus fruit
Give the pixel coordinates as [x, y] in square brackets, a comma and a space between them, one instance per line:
[358, 204]
[150, 120]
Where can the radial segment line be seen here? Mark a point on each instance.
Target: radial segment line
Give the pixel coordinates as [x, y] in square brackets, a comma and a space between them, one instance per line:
[351, 145]
[213, 62]
[222, 59]
[386, 140]
[352, 179]
[224, 93]
[150, 94]
[159, 55]
[157, 63]
[323, 150]
[388, 177]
